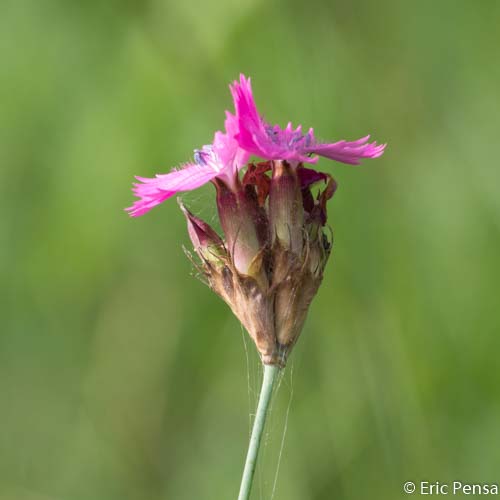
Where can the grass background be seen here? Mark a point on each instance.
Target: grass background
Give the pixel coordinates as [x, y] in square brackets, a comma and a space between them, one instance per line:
[122, 377]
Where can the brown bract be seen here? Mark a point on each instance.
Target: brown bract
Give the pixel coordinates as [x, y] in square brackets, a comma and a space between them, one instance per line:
[274, 226]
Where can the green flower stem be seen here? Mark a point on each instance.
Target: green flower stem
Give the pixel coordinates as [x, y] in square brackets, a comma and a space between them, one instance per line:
[270, 373]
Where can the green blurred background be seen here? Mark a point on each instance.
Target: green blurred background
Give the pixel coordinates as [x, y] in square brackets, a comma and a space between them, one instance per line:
[121, 375]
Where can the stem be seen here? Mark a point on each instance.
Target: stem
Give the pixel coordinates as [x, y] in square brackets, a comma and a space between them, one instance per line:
[270, 372]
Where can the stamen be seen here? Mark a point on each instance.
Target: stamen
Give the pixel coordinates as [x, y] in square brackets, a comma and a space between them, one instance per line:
[204, 156]
[199, 157]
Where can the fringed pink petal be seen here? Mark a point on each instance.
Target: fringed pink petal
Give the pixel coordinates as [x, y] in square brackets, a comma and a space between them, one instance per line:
[221, 159]
[261, 139]
[251, 128]
[226, 147]
[350, 152]
[153, 191]
[275, 143]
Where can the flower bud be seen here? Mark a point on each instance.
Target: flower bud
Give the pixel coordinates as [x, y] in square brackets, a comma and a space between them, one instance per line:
[297, 278]
[316, 218]
[248, 296]
[242, 223]
[206, 242]
[286, 214]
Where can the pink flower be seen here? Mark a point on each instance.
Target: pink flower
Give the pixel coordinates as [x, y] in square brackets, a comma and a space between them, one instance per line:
[274, 143]
[222, 159]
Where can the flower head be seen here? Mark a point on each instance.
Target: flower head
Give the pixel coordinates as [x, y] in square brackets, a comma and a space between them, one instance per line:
[270, 263]
[274, 143]
[222, 159]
